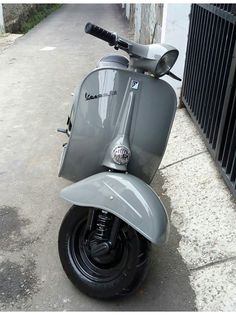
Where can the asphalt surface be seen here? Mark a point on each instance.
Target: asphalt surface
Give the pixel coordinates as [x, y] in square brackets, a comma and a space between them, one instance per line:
[35, 88]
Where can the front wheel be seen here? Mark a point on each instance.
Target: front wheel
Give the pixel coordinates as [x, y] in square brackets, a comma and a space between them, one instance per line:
[104, 272]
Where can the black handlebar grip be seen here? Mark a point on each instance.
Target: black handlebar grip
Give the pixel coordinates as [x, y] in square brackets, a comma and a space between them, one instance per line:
[100, 33]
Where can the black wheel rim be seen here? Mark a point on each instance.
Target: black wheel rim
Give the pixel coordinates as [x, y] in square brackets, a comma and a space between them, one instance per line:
[99, 270]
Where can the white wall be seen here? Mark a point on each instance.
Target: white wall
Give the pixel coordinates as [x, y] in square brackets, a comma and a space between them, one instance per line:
[1, 20]
[127, 10]
[174, 32]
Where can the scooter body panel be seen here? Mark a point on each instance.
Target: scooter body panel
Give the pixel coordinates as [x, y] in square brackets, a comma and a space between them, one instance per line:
[95, 119]
[125, 196]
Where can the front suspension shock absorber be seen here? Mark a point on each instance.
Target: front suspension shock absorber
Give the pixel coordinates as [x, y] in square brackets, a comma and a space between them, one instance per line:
[103, 228]
[105, 233]
[99, 244]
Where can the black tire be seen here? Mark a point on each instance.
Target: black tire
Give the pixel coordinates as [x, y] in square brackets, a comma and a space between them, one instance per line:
[120, 277]
[141, 267]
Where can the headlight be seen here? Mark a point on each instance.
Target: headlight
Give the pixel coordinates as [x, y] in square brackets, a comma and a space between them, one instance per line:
[166, 62]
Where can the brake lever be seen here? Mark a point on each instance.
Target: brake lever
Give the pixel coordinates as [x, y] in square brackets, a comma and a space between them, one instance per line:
[173, 76]
[121, 44]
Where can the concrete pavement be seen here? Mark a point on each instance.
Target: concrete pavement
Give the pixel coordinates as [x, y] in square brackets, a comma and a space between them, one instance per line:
[35, 88]
[203, 212]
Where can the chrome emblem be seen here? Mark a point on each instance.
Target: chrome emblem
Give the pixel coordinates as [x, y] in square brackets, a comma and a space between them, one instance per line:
[120, 154]
[134, 84]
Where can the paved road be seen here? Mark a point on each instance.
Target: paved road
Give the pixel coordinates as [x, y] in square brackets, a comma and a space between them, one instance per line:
[35, 88]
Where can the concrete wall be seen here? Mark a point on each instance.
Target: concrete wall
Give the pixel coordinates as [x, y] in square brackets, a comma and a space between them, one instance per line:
[175, 32]
[145, 21]
[14, 14]
[127, 10]
[2, 28]
[151, 21]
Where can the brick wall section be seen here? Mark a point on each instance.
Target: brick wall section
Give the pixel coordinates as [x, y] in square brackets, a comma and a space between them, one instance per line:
[14, 14]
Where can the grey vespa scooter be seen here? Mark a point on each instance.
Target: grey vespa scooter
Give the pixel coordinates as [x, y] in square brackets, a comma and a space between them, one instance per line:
[118, 129]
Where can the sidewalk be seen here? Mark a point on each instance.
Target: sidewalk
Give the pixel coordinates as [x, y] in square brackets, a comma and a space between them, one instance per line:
[203, 212]
[7, 39]
[39, 72]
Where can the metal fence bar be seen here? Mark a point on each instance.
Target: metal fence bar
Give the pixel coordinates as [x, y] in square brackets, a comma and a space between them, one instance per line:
[211, 73]
[202, 62]
[205, 62]
[226, 78]
[218, 77]
[230, 124]
[192, 55]
[209, 82]
[186, 80]
[219, 140]
[217, 11]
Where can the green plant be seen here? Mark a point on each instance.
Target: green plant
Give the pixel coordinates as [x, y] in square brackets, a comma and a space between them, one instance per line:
[38, 15]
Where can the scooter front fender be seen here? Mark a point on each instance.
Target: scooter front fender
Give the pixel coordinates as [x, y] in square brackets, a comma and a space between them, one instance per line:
[125, 196]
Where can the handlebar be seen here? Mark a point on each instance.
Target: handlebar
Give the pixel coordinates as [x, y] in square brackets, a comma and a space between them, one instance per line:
[146, 55]
[99, 32]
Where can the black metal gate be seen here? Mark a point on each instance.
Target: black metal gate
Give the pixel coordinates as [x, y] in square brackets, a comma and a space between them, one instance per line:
[209, 84]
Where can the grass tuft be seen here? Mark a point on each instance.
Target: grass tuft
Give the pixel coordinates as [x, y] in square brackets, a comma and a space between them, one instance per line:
[43, 10]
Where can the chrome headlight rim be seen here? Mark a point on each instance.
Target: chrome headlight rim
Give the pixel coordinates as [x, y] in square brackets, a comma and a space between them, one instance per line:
[162, 62]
